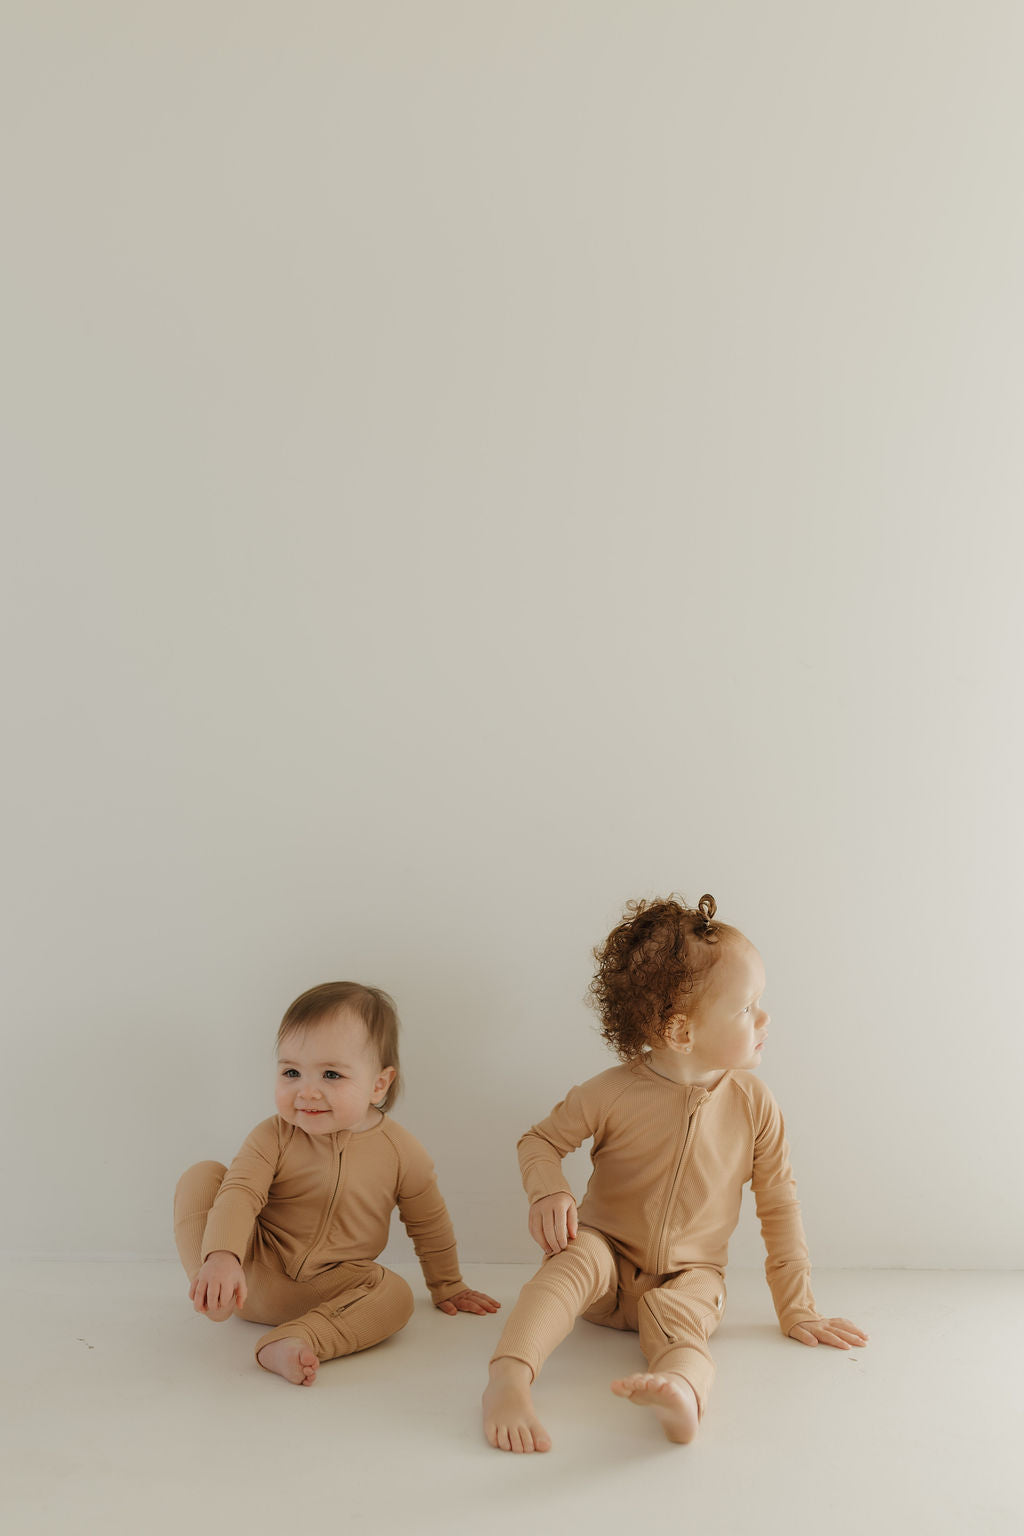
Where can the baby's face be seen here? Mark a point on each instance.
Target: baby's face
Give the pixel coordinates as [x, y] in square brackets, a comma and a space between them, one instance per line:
[329, 1077]
[729, 1023]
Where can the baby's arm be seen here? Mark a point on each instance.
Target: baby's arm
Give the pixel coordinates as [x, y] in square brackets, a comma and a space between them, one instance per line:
[425, 1217]
[788, 1265]
[219, 1286]
[553, 1221]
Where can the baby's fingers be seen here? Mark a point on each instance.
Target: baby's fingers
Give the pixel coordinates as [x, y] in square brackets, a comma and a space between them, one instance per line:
[536, 1225]
[482, 1304]
[855, 1340]
[847, 1329]
[551, 1234]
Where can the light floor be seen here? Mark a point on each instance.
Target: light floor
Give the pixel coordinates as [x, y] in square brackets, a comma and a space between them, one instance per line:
[126, 1413]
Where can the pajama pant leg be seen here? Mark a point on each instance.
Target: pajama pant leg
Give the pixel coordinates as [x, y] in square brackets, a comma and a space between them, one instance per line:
[566, 1284]
[354, 1305]
[675, 1320]
[196, 1192]
[344, 1308]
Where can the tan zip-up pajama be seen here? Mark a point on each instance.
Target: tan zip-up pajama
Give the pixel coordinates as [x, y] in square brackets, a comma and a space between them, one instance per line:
[306, 1216]
[670, 1163]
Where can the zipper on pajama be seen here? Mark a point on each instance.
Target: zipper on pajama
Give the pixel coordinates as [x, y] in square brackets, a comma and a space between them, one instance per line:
[659, 1268]
[326, 1221]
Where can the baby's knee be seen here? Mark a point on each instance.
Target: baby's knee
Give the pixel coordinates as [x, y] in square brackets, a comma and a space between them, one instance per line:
[398, 1296]
[200, 1174]
[589, 1254]
[194, 1194]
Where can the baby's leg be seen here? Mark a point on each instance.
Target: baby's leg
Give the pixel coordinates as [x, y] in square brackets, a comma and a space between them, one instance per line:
[566, 1284]
[195, 1194]
[364, 1305]
[197, 1190]
[675, 1321]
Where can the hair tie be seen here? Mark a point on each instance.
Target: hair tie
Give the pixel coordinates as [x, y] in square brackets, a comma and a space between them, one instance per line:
[707, 907]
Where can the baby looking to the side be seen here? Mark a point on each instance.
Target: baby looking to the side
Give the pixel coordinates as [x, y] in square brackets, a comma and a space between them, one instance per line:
[678, 1129]
[288, 1236]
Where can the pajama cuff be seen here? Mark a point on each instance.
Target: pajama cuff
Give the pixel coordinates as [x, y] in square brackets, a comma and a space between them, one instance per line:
[446, 1292]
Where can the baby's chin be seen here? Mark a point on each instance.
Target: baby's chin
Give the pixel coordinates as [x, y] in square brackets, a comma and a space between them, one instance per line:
[316, 1125]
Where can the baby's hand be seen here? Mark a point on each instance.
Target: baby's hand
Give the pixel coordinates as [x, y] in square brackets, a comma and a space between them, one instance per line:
[469, 1301]
[216, 1286]
[553, 1223]
[837, 1331]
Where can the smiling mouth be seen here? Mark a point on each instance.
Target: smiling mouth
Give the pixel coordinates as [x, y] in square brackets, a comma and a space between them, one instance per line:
[312, 1111]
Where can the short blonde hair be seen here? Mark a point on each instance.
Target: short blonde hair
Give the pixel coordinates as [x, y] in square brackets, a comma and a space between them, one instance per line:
[376, 1009]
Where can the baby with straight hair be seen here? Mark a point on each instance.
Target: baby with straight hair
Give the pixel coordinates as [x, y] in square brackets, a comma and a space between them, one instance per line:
[288, 1236]
[678, 1129]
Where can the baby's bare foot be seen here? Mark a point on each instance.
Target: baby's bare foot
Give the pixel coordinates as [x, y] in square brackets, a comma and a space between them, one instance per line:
[291, 1358]
[510, 1423]
[671, 1397]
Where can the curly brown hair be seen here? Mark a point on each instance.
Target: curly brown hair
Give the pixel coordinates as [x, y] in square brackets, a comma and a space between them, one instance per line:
[657, 956]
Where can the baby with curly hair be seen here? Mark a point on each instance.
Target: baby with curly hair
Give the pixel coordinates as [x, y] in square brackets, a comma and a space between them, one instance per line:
[678, 1129]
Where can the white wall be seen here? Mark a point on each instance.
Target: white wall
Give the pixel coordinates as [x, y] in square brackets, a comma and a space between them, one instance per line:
[470, 464]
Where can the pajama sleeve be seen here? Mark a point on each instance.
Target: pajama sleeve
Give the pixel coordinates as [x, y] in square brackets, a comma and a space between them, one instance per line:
[425, 1217]
[243, 1193]
[542, 1148]
[787, 1265]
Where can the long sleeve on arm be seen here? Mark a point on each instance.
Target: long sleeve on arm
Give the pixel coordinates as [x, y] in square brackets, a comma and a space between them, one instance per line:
[579, 1115]
[243, 1193]
[787, 1265]
[425, 1217]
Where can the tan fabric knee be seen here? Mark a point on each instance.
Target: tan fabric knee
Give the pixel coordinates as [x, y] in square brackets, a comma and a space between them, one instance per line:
[367, 1304]
[675, 1320]
[196, 1191]
[567, 1284]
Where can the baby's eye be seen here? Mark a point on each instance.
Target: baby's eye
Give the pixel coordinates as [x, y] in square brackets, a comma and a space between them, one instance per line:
[330, 1073]
[290, 1072]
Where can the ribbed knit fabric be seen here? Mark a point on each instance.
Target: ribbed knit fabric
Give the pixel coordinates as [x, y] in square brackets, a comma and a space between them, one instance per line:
[674, 1315]
[670, 1163]
[306, 1216]
[344, 1308]
[307, 1203]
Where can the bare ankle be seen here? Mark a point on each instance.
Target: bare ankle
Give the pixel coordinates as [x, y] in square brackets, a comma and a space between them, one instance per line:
[508, 1368]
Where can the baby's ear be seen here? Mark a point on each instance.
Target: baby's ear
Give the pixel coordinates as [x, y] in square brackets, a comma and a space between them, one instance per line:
[676, 1030]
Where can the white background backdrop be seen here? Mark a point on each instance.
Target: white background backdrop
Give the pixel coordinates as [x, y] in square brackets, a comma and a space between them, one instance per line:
[470, 464]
